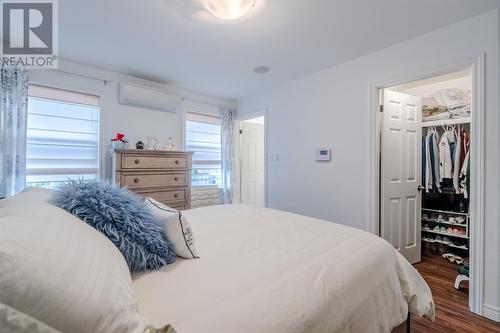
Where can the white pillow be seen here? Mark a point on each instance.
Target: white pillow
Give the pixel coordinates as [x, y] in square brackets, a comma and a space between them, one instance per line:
[177, 228]
[36, 194]
[59, 272]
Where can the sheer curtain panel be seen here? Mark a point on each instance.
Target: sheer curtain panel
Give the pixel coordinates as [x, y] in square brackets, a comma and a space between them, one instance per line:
[229, 163]
[13, 117]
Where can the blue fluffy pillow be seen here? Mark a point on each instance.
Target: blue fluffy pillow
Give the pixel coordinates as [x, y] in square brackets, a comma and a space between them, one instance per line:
[123, 218]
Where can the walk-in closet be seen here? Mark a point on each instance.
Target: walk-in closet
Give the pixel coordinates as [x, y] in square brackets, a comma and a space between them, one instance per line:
[425, 171]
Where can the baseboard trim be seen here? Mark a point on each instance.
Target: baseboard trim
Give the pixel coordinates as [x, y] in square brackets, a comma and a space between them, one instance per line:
[491, 312]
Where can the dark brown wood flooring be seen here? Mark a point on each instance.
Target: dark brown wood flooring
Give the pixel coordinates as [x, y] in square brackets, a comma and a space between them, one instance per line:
[452, 306]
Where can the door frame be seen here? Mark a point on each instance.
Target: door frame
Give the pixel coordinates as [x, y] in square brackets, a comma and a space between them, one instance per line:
[476, 204]
[239, 119]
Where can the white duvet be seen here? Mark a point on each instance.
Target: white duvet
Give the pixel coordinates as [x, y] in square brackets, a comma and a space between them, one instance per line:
[267, 271]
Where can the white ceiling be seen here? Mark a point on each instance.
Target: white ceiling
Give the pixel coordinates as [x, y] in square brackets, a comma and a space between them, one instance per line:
[154, 40]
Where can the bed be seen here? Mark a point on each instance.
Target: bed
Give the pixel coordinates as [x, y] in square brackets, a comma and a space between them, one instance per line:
[264, 270]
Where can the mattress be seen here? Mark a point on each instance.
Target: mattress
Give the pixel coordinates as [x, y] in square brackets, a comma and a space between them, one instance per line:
[263, 270]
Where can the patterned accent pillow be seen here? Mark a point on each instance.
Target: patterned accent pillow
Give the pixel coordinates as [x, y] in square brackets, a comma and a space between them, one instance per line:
[177, 228]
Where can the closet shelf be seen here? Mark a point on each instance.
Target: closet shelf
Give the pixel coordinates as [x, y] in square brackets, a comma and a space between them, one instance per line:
[461, 247]
[445, 233]
[444, 122]
[445, 212]
[445, 222]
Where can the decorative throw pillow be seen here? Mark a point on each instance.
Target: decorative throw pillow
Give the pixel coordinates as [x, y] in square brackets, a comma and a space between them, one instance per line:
[123, 218]
[177, 228]
[58, 274]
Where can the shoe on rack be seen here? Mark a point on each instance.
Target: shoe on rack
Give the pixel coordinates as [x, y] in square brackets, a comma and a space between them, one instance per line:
[458, 260]
[449, 256]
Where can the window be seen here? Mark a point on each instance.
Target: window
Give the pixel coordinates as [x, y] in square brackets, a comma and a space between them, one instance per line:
[204, 140]
[62, 137]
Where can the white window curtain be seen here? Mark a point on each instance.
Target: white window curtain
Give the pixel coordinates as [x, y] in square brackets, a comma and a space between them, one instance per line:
[13, 117]
[229, 163]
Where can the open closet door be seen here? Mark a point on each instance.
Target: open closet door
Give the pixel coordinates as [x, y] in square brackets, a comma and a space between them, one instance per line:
[401, 148]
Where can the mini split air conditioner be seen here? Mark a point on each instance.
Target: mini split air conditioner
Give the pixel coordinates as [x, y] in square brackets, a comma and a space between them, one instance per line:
[149, 98]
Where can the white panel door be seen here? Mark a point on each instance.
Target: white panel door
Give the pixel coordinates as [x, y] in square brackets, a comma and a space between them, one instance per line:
[252, 164]
[401, 150]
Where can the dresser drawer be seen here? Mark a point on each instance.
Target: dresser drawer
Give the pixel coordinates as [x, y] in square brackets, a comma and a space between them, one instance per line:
[178, 207]
[154, 162]
[166, 197]
[136, 181]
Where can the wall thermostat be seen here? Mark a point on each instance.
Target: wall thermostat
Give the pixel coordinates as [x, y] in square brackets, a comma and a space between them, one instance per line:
[323, 154]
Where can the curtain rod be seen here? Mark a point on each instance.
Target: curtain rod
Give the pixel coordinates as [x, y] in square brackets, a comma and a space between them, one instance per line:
[105, 81]
[203, 102]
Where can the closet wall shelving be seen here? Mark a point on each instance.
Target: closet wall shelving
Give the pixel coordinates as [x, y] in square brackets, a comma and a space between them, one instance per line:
[457, 241]
[444, 122]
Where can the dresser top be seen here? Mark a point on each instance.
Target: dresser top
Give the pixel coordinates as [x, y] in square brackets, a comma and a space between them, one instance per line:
[146, 151]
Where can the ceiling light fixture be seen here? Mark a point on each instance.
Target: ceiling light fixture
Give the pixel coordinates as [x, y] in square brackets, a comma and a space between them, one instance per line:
[229, 9]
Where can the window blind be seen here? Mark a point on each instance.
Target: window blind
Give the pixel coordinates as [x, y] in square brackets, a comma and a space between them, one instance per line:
[204, 140]
[62, 136]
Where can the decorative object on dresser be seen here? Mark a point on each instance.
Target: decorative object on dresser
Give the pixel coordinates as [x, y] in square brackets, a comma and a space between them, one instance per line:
[162, 175]
[119, 141]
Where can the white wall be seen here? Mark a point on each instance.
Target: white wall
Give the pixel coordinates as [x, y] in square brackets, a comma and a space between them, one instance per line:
[330, 109]
[135, 123]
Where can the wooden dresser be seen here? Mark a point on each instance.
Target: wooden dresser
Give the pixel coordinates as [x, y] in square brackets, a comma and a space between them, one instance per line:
[162, 175]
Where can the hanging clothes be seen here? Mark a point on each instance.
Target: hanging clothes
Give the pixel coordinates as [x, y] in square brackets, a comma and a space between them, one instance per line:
[452, 140]
[464, 141]
[428, 164]
[445, 161]
[424, 162]
[465, 175]
[435, 160]
[456, 164]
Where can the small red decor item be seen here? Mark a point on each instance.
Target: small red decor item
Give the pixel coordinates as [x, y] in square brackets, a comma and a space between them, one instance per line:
[119, 137]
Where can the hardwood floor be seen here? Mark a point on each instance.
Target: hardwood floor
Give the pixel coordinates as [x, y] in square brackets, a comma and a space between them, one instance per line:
[452, 308]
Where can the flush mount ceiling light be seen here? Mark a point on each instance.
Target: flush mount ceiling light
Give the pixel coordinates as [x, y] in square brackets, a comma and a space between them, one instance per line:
[229, 9]
[218, 11]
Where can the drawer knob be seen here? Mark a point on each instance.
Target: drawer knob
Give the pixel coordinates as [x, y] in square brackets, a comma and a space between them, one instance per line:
[176, 195]
[176, 162]
[136, 180]
[136, 161]
[176, 179]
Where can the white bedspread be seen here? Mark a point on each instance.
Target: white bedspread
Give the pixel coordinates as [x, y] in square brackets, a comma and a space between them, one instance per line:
[267, 271]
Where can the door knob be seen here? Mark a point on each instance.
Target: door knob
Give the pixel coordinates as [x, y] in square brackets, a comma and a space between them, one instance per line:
[420, 188]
